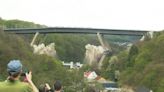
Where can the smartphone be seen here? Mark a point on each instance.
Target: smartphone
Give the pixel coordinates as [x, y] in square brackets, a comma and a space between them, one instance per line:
[23, 74]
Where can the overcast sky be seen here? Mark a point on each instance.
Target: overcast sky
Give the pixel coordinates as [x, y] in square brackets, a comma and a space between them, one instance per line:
[111, 14]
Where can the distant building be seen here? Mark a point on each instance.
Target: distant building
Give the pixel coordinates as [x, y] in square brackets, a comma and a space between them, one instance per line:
[90, 75]
[71, 65]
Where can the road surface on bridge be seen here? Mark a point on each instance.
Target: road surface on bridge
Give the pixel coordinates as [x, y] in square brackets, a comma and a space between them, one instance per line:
[76, 31]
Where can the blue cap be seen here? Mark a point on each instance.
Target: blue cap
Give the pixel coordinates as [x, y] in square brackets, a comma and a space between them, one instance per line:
[14, 66]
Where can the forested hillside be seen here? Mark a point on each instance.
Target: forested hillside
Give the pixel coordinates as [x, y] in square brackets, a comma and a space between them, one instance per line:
[69, 47]
[141, 66]
[44, 68]
[14, 47]
[18, 24]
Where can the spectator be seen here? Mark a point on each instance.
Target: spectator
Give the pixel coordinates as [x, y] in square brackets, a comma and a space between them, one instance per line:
[45, 88]
[13, 84]
[58, 86]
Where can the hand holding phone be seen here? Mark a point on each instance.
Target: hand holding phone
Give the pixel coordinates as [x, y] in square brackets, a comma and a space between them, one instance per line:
[29, 76]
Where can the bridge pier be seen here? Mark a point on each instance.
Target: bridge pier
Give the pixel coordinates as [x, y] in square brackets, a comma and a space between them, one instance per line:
[34, 38]
[106, 47]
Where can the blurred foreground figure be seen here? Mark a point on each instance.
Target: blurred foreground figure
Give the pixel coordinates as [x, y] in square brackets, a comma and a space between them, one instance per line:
[45, 88]
[13, 83]
[58, 86]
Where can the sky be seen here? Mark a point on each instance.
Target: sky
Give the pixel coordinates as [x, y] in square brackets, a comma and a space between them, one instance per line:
[108, 14]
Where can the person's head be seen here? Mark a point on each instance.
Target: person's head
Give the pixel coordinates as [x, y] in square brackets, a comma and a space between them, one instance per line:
[57, 86]
[44, 88]
[14, 68]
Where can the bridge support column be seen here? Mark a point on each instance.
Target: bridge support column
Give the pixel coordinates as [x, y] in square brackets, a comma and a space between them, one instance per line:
[106, 47]
[34, 38]
[100, 38]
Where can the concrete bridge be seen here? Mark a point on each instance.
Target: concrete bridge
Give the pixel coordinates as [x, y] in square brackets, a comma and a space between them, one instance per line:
[99, 32]
[76, 31]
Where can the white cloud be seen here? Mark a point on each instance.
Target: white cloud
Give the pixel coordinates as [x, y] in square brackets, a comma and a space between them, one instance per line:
[118, 14]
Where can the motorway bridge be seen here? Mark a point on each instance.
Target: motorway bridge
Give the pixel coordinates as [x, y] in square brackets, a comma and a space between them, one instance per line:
[76, 31]
[99, 32]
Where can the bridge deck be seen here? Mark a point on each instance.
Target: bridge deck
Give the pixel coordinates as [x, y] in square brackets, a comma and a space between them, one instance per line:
[76, 31]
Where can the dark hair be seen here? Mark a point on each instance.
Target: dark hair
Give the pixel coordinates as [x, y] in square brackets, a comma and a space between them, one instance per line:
[57, 85]
[13, 75]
